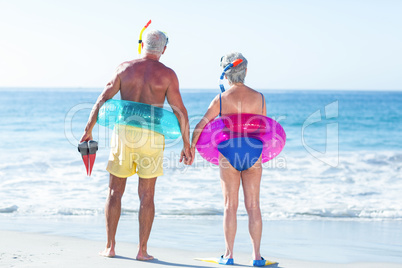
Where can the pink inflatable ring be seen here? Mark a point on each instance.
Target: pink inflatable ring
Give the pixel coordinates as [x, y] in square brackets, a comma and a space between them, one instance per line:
[262, 135]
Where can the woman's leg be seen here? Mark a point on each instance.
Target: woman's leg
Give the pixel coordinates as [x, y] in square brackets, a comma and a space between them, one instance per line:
[230, 181]
[251, 179]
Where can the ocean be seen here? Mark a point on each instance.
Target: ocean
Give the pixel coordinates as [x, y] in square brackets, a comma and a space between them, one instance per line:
[342, 162]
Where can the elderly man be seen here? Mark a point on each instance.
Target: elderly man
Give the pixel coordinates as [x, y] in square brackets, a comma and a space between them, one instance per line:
[143, 80]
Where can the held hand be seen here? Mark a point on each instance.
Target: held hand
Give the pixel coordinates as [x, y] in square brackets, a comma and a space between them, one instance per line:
[186, 156]
[193, 155]
[87, 136]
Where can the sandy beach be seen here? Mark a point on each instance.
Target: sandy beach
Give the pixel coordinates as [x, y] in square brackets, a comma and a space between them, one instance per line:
[19, 249]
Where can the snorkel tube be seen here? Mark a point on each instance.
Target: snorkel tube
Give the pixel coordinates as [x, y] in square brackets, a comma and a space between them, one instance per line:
[233, 64]
[140, 39]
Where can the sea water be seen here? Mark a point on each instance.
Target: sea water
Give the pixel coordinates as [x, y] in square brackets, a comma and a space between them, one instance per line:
[342, 162]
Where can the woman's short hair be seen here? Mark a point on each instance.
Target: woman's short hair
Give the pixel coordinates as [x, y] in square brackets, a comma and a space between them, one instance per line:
[155, 41]
[238, 73]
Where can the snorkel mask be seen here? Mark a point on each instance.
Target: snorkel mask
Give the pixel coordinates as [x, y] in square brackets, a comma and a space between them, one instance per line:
[140, 39]
[230, 65]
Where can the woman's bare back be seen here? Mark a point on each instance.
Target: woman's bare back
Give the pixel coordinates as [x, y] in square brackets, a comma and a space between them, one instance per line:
[242, 99]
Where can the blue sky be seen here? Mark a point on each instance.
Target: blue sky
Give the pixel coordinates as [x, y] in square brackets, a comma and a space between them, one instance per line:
[343, 44]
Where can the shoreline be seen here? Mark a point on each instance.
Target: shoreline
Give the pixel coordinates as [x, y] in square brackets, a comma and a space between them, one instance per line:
[311, 241]
[20, 249]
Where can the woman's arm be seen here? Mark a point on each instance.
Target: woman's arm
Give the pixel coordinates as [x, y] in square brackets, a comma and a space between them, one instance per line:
[264, 110]
[212, 113]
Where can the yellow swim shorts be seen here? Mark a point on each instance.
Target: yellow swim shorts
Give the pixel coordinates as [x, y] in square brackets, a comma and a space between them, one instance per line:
[136, 150]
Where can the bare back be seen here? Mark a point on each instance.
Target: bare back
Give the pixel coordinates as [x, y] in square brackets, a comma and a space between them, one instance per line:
[146, 81]
[242, 99]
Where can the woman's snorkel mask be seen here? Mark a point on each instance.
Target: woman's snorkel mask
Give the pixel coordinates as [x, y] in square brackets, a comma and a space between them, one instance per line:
[230, 65]
[140, 39]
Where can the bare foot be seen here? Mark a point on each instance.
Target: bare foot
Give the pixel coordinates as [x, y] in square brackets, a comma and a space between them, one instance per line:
[144, 257]
[108, 252]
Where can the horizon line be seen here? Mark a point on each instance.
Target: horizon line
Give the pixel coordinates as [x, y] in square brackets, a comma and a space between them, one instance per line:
[93, 89]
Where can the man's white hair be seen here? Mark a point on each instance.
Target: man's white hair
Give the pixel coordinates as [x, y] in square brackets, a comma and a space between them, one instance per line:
[238, 73]
[155, 41]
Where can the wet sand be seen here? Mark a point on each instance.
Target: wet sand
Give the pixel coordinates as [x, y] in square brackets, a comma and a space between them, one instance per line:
[20, 249]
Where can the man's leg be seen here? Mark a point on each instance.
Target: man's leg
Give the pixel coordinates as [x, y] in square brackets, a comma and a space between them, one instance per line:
[112, 212]
[146, 192]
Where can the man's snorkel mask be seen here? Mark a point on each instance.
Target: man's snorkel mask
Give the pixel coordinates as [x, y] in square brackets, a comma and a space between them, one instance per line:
[140, 39]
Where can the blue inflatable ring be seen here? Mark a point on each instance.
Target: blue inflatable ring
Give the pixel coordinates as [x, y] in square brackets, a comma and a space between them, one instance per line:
[140, 115]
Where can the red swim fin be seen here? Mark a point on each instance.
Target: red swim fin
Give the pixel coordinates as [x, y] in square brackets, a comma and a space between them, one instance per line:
[88, 152]
[91, 162]
[86, 162]
[92, 148]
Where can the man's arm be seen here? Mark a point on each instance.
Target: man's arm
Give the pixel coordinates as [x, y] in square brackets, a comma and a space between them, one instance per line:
[174, 99]
[110, 90]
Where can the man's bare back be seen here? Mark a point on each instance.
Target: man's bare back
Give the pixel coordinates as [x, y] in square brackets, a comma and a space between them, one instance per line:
[146, 81]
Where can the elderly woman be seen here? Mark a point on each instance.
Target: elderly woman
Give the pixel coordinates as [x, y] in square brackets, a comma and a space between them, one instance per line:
[238, 99]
